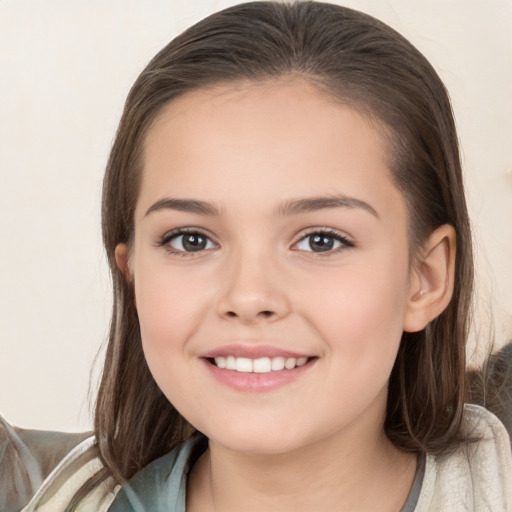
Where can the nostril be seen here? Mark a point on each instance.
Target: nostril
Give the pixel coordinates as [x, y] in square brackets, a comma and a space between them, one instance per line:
[250, 315]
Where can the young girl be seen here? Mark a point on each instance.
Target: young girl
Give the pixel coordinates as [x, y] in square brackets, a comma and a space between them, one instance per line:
[285, 221]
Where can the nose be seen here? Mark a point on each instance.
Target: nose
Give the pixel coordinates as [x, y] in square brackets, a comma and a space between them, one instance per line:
[254, 291]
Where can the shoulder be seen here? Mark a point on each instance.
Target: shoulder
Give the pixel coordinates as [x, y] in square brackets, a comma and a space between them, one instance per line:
[78, 466]
[162, 484]
[163, 479]
[477, 475]
[483, 423]
[27, 457]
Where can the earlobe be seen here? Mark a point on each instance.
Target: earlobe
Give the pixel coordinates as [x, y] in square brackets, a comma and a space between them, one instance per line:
[432, 278]
[122, 256]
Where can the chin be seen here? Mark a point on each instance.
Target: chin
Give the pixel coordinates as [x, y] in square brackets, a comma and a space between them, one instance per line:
[255, 438]
[263, 445]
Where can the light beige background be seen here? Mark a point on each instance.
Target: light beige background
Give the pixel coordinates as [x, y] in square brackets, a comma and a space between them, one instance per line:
[65, 69]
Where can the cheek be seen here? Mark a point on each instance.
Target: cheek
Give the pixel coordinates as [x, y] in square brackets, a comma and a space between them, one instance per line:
[360, 321]
[169, 308]
[360, 314]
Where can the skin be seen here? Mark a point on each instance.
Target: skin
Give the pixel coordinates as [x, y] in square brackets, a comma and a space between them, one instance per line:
[248, 150]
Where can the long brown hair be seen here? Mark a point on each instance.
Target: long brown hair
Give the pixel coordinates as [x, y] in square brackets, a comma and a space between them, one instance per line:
[367, 65]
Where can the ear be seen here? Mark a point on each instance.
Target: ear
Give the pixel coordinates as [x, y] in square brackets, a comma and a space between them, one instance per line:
[122, 255]
[431, 280]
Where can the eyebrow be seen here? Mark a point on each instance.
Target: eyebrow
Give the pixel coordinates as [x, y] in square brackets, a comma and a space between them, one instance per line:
[312, 204]
[184, 205]
[290, 207]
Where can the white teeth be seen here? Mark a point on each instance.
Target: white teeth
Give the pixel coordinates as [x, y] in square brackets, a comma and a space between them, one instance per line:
[243, 364]
[277, 363]
[261, 365]
[290, 363]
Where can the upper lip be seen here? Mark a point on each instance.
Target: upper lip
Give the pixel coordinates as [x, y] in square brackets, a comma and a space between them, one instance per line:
[252, 351]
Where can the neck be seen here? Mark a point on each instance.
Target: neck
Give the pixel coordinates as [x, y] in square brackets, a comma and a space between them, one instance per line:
[353, 472]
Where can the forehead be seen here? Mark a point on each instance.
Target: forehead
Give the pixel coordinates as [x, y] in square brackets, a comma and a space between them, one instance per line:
[275, 138]
[281, 101]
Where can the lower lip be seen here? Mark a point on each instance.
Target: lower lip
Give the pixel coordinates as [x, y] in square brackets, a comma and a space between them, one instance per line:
[257, 382]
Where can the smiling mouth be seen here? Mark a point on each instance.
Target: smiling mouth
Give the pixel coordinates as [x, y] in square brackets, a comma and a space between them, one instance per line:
[260, 365]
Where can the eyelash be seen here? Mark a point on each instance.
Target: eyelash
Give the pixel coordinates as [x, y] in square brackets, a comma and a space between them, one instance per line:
[328, 233]
[345, 243]
[171, 235]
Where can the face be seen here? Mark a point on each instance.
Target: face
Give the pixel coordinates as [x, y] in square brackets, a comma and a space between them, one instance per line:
[270, 265]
